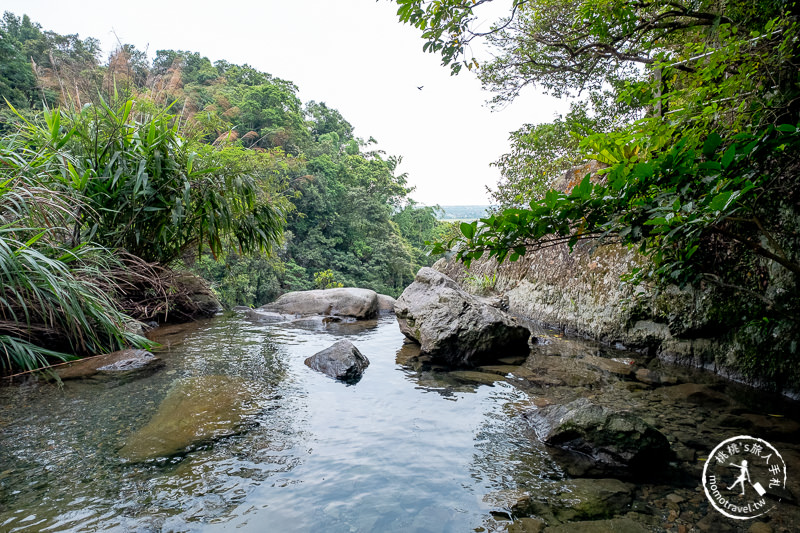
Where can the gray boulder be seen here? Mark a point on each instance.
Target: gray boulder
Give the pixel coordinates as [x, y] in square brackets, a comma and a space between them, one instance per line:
[344, 302]
[386, 304]
[341, 361]
[597, 441]
[455, 326]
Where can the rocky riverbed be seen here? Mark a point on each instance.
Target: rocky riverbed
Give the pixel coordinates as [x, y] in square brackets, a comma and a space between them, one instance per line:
[415, 445]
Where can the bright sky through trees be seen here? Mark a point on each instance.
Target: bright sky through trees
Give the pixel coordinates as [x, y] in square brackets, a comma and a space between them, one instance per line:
[352, 54]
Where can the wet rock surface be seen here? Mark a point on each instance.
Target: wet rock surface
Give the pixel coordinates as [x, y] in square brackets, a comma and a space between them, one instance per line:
[115, 363]
[579, 500]
[341, 361]
[455, 326]
[600, 441]
[341, 302]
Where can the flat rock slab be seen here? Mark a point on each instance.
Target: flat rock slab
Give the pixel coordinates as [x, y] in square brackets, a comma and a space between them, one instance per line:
[579, 499]
[340, 361]
[608, 365]
[615, 525]
[195, 410]
[344, 302]
[119, 361]
[695, 393]
[651, 377]
[471, 376]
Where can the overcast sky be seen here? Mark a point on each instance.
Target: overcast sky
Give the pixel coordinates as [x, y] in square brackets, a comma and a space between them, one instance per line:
[351, 54]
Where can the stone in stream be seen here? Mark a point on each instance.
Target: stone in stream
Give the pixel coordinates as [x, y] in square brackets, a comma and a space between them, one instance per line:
[613, 525]
[578, 499]
[386, 304]
[341, 361]
[344, 302]
[119, 362]
[483, 378]
[651, 377]
[606, 365]
[196, 410]
[455, 326]
[596, 441]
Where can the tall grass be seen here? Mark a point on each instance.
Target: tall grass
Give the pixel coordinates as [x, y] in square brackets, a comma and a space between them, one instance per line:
[51, 306]
[147, 190]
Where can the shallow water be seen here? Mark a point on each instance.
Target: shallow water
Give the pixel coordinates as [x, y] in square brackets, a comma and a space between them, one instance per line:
[385, 454]
[411, 447]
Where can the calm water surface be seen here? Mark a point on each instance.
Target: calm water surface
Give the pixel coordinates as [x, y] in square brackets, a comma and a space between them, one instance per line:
[394, 452]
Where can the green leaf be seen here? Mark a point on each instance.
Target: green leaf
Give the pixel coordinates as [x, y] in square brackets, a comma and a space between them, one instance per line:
[727, 157]
[720, 201]
[712, 142]
[467, 229]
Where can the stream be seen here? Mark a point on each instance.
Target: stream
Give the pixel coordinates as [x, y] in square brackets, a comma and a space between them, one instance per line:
[412, 446]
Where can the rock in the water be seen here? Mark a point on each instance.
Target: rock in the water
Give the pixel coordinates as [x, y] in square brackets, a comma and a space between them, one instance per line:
[341, 361]
[579, 499]
[651, 377]
[599, 441]
[453, 325]
[346, 302]
[119, 361]
[615, 525]
[195, 410]
[386, 304]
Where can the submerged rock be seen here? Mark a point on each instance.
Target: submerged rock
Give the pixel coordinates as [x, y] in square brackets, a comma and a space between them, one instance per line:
[455, 326]
[114, 362]
[195, 410]
[579, 499]
[616, 525]
[599, 441]
[341, 361]
[344, 302]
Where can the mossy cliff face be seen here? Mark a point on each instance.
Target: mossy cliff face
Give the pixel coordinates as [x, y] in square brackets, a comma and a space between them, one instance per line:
[582, 293]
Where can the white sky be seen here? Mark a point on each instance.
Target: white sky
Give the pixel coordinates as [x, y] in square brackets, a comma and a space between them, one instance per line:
[351, 54]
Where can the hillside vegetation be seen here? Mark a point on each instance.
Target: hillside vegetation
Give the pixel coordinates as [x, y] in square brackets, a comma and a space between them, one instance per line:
[117, 173]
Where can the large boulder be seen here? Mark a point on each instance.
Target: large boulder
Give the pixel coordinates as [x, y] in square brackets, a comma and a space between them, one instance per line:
[196, 410]
[341, 361]
[455, 326]
[596, 441]
[386, 304]
[343, 302]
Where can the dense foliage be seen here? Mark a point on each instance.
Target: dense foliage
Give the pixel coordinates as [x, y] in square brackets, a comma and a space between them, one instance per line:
[170, 164]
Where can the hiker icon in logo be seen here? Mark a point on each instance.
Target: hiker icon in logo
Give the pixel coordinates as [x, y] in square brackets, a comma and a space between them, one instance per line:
[744, 474]
[758, 465]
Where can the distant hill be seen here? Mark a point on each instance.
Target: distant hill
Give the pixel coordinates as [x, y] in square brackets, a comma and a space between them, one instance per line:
[462, 212]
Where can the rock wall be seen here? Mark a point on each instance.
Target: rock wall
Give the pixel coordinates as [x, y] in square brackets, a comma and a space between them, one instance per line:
[582, 293]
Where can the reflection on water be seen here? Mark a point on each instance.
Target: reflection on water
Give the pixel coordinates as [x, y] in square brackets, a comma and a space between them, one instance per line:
[402, 450]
